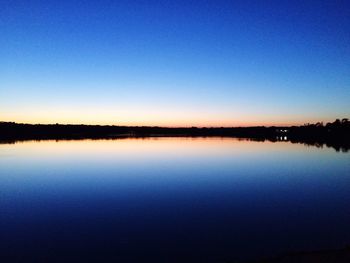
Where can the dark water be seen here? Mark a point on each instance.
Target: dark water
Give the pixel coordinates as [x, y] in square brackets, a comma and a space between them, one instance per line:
[170, 200]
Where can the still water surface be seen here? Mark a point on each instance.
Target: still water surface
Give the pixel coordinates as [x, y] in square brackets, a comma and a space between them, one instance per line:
[170, 200]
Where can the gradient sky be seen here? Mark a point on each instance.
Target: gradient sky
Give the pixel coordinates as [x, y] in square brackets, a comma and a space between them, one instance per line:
[203, 63]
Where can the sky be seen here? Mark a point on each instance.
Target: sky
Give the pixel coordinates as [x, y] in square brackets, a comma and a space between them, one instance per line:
[174, 63]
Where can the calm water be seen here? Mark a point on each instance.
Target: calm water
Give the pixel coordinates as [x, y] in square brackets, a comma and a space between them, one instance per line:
[170, 200]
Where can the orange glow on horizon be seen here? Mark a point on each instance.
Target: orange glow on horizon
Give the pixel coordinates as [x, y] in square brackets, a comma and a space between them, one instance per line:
[153, 116]
[176, 121]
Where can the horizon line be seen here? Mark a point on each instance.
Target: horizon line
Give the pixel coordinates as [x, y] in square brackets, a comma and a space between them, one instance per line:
[159, 126]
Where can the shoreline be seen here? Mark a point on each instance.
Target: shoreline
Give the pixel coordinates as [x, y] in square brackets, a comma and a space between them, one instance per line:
[335, 135]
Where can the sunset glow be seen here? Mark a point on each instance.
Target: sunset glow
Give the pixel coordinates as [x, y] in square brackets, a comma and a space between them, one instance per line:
[174, 63]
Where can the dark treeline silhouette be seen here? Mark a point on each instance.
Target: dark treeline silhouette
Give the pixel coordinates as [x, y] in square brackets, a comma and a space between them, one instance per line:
[335, 134]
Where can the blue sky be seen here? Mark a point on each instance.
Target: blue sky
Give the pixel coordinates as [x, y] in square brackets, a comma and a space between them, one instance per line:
[204, 63]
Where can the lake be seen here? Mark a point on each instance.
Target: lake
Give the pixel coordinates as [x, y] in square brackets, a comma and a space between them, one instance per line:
[170, 200]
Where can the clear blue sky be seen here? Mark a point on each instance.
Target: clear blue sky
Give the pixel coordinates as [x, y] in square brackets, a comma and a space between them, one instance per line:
[205, 63]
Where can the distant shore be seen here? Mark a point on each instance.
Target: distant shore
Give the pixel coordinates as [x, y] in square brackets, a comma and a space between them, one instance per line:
[335, 134]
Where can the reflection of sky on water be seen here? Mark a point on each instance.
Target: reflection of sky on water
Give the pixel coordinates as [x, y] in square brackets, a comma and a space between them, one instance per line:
[223, 195]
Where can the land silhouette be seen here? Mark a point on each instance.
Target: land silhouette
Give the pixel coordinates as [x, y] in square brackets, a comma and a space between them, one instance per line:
[333, 134]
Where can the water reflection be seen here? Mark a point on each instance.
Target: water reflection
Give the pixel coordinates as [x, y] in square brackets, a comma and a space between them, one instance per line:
[170, 199]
